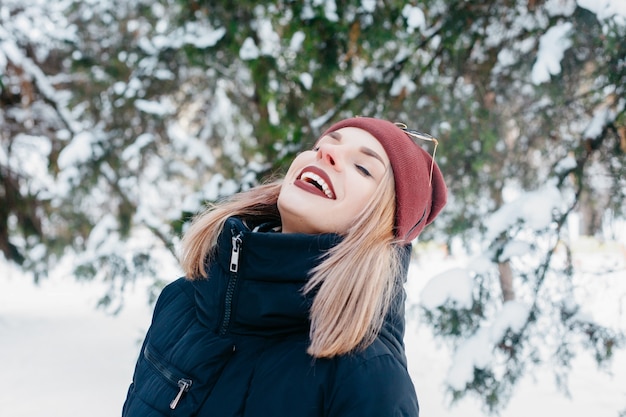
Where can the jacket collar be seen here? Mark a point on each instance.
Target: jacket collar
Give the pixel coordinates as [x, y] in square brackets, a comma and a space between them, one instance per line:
[264, 296]
[261, 295]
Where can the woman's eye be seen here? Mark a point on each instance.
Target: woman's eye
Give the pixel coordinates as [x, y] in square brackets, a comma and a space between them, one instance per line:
[363, 170]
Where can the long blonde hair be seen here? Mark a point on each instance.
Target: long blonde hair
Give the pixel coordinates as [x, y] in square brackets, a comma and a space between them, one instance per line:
[354, 283]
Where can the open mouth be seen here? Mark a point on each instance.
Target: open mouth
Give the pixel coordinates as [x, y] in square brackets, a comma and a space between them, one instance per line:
[317, 179]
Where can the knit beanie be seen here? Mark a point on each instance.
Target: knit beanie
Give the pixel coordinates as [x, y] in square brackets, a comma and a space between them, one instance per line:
[418, 199]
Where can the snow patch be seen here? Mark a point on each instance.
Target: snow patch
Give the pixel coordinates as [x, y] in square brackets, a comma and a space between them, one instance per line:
[157, 108]
[78, 151]
[415, 18]
[605, 9]
[534, 209]
[249, 50]
[454, 285]
[552, 47]
[477, 351]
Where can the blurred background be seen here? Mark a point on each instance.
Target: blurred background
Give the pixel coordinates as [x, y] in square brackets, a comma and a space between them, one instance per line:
[120, 119]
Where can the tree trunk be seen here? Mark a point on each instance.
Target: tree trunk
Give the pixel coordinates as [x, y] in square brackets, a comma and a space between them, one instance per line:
[506, 281]
[591, 209]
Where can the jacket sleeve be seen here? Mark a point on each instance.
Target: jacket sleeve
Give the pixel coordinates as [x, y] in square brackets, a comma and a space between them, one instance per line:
[378, 387]
[174, 301]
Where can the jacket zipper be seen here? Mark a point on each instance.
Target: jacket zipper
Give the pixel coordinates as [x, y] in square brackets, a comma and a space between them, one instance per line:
[182, 383]
[232, 282]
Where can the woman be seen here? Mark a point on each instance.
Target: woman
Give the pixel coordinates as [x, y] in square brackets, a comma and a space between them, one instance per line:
[293, 301]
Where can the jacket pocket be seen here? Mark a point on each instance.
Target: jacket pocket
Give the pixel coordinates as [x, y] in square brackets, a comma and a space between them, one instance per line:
[160, 387]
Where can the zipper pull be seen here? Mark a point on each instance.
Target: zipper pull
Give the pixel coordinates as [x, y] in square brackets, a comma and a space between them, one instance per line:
[184, 385]
[234, 255]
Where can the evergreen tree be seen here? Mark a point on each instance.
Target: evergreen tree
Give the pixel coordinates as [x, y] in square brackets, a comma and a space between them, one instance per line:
[119, 119]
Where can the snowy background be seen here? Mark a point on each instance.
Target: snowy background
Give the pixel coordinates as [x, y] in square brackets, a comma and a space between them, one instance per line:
[62, 357]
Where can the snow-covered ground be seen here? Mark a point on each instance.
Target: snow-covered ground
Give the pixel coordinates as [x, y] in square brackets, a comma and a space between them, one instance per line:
[61, 357]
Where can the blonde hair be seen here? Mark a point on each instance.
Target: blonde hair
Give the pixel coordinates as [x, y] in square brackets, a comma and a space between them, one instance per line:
[353, 285]
[201, 237]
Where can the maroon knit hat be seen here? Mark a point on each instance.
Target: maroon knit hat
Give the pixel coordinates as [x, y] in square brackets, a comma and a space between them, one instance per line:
[417, 201]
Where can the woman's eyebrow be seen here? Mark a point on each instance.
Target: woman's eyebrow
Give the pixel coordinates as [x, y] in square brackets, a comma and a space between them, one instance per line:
[335, 135]
[372, 153]
[364, 149]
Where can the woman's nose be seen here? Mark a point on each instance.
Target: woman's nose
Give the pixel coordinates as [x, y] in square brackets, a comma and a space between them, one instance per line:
[331, 155]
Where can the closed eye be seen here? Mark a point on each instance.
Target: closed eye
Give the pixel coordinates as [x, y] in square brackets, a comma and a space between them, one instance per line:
[363, 170]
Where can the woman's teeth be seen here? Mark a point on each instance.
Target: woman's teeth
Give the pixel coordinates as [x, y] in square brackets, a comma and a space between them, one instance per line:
[317, 181]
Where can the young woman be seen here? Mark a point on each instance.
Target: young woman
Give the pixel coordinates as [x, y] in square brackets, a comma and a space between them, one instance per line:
[292, 302]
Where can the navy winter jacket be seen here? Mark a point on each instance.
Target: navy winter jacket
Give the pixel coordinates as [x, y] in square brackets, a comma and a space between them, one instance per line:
[235, 344]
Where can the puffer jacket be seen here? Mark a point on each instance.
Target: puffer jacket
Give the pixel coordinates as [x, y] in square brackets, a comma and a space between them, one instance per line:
[235, 344]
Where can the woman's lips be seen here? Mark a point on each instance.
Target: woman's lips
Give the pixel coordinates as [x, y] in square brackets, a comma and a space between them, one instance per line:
[316, 181]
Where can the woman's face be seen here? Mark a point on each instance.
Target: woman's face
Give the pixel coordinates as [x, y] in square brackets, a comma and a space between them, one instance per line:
[326, 187]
